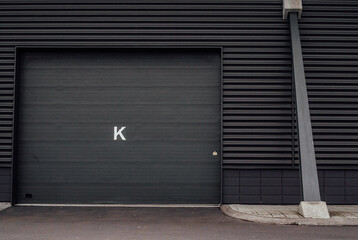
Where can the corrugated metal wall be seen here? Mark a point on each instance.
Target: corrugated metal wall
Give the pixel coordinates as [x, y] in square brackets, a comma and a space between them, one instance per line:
[257, 116]
[329, 32]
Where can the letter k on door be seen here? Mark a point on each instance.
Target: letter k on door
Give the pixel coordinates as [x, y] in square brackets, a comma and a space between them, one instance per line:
[119, 133]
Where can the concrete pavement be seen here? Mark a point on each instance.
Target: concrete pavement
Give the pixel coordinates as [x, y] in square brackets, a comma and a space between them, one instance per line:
[55, 223]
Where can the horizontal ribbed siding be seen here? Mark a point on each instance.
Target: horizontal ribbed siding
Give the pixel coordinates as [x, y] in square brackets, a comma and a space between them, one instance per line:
[257, 127]
[329, 32]
[257, 124]
[7, 60]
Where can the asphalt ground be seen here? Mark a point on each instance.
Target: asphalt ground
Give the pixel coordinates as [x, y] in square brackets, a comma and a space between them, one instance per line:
[87, 223]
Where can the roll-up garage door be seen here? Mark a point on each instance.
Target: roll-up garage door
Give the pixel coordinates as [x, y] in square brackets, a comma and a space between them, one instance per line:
[131, 126]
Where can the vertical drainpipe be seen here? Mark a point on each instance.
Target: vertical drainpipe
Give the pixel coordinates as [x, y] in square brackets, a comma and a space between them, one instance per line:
[311, 205]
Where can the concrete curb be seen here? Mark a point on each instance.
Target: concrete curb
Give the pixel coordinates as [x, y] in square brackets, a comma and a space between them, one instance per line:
[4, 205]
[333, 221]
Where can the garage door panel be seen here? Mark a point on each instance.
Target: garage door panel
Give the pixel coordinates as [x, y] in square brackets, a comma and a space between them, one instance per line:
[122, 95]
[191, 77]
[135, 153]
[132, 58]
[104, 113]
[128, 187]
[126, 174]
[70, 102]
[125, 194]
[133, 132]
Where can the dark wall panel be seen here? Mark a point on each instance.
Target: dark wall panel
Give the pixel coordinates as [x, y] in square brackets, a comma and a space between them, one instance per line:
[5, 184]
[268, 186]
[261, 186]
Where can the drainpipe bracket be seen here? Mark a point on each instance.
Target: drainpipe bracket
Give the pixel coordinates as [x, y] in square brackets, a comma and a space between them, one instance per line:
[291, 6]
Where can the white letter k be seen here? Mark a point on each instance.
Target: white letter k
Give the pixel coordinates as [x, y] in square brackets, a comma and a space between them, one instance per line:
[119, 132]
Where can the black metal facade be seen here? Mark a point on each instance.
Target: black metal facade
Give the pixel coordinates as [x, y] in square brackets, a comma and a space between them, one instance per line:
[258, 133]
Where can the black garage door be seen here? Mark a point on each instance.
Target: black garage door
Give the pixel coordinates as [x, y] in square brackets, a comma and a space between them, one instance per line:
[119, 126]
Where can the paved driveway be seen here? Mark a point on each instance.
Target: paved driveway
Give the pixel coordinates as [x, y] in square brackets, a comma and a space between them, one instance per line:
[52, 223]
